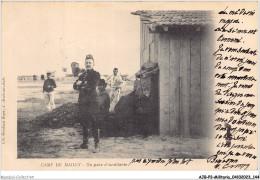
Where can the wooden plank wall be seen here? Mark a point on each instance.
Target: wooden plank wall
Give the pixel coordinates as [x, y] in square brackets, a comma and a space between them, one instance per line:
[154, 48]
[195, 115]
[141, 43]
[164, 82]
[148, 46]
[185, 79]
[207, 79]
[175, 55]
[180, 60]
[185, 85]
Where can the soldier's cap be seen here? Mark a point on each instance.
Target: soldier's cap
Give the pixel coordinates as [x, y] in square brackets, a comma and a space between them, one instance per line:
[102, 82]
[89, 56]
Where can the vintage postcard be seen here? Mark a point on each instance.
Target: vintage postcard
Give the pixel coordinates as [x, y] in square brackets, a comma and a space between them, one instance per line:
[129, 86]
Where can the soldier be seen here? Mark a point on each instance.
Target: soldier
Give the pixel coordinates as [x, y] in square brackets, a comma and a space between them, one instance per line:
[115, 82]
[103, 107]
[88, 106]
[48, 90]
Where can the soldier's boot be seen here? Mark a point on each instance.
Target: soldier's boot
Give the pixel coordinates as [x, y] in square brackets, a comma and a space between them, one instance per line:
[84, 145]
[97, 148]
[98, 134]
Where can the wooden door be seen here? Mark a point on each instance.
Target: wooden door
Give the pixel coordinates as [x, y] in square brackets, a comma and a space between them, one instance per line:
[182, 83]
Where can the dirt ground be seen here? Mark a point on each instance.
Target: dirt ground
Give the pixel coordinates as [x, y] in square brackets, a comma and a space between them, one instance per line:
[64, 142]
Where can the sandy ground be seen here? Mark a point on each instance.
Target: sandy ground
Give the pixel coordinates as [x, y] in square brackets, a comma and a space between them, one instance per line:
[64, 142]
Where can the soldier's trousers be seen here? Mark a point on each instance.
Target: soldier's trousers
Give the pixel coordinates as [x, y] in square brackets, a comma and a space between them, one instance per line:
[89, 120]
[49, 100]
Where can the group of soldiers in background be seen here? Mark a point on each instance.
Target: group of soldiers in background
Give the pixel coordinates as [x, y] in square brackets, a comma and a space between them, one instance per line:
[93, 106]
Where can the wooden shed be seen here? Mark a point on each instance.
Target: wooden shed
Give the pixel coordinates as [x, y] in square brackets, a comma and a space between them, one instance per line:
[182, 44]
[25, 78]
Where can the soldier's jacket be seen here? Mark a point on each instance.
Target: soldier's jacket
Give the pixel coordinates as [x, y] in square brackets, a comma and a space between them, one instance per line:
[49, 85]
[87, 89]
[103, 102]
[115, 81]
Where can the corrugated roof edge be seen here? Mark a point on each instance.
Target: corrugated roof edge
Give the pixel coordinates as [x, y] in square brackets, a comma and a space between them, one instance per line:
[174, 17]
[144, 12]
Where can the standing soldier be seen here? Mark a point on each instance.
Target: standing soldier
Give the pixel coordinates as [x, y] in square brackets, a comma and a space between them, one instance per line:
[115, 81]
[103, 107]
[88, 106]
[48, 90]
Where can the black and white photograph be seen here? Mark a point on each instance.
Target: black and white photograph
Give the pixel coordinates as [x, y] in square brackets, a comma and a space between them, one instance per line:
[111, 84]
[140, 82]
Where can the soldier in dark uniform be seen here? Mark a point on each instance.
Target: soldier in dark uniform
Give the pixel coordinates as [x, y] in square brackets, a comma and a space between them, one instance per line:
[88, 105]
[48, 90]
[103, 108]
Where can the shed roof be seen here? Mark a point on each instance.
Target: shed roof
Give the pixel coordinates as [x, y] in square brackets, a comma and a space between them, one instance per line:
[169, 18]
[24, 76]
